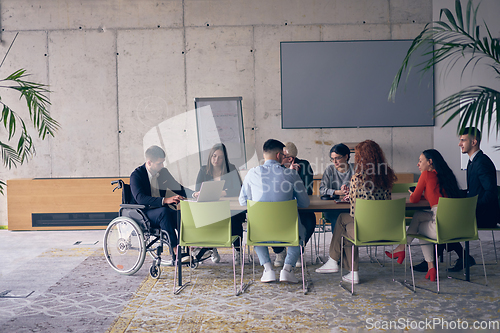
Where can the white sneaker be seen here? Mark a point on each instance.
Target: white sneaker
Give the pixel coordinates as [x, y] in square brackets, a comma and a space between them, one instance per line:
[348, 277]
[268, 276]
[298, 263]
[288, 276]
[280, 259]
[215, 256]
[331, 266]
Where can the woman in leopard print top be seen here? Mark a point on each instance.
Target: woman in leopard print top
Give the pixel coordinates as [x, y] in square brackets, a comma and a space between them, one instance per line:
[372, 180]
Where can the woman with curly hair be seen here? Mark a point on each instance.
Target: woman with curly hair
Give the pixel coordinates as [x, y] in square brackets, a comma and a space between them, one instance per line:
[373, 180]
[436, 181]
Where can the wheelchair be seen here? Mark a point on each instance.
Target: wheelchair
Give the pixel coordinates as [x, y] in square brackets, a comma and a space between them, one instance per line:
[131, 235]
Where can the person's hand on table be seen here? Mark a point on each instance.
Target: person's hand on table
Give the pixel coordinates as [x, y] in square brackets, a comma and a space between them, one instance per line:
[173, 200]
[346, 197]
[196, 194]
[224, 193]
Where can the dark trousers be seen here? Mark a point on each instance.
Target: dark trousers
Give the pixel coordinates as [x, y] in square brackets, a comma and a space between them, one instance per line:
[237, 227]
[308, 220]
[166, 218]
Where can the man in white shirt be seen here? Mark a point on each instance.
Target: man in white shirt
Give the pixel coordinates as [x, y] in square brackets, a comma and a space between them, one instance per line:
[271, 182]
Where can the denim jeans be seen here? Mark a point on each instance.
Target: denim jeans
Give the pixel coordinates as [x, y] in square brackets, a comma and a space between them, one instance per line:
[292, 254]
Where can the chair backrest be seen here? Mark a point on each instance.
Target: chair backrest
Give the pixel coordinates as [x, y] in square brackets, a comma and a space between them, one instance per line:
[380, 221]
[456, 219]
[402, 187]
[269, 222]
[218, 230]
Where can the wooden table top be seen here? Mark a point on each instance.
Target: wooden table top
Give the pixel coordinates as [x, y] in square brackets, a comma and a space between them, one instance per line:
[318, 205]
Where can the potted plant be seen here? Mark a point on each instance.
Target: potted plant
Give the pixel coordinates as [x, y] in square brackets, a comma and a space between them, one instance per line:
[459, 38]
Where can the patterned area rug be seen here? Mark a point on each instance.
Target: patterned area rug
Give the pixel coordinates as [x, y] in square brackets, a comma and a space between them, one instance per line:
[93, 298]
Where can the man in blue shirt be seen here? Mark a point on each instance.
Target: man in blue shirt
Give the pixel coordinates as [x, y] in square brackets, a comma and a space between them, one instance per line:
[271, 182]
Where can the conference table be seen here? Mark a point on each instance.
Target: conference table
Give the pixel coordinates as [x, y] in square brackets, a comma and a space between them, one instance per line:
[318, 205]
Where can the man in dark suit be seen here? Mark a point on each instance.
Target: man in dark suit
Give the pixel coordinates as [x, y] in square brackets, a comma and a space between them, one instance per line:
[481, 181]
[149, 183]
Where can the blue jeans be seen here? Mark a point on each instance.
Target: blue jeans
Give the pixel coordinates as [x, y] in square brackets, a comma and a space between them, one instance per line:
[292, 255]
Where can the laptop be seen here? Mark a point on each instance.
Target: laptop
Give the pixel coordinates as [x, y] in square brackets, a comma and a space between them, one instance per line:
[210, 191]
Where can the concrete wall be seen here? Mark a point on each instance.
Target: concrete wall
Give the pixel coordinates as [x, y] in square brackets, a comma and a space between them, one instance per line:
[449, 82]
[124, 73]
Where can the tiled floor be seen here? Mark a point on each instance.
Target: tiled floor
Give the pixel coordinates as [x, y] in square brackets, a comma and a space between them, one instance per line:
[76, 291]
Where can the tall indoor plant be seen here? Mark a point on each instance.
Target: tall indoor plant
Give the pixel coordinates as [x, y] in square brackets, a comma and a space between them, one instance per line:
[452, 40]
[16, 146]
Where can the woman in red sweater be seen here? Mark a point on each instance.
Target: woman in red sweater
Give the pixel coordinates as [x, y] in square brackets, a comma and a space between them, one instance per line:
[436, 180]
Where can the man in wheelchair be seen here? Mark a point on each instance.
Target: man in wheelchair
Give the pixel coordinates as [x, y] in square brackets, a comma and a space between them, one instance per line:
[149, 183]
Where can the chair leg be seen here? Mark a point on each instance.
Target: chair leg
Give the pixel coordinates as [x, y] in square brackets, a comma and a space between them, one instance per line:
[412, 273]
[341, 261]
[484, 266]
[234, 271]
[324, 238]
[304, 289]
[181, 288]
[352, 270]
[392, 263]
[437, 266]
[341, 268]
[243, 287]
[242, 268]
[411, 267]
[494, 246]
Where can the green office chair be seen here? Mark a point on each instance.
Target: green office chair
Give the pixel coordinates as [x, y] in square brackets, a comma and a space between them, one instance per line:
[378, 222]
[493, 229]
[272, 224]
[206, 224]
[455, 222]
[403, 188]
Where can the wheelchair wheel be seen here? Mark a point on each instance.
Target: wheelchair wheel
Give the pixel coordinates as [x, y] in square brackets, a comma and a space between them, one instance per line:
[124, 245]
[155, 271]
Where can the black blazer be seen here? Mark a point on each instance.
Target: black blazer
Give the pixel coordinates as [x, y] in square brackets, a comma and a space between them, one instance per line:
[482, 181]
[306, 174]
[141, 187]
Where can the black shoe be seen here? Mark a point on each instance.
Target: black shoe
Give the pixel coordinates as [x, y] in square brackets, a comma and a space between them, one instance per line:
[459, 264]
[422, 267]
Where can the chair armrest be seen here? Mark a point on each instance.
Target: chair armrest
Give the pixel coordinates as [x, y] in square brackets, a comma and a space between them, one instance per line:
[133, 206]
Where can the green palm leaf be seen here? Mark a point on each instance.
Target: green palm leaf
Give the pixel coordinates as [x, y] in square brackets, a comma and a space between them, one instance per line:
[451, 41]
[475, 106]
[37, 102]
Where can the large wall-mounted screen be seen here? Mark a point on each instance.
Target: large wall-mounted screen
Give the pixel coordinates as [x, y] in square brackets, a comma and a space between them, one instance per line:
[346, 84]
